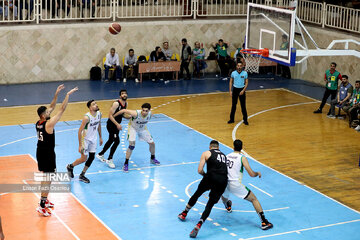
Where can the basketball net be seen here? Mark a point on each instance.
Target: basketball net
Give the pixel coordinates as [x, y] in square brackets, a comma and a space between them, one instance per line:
[252, 62]
[252, 58]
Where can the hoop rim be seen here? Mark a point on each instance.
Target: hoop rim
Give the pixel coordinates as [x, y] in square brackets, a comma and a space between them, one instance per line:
[262, 52]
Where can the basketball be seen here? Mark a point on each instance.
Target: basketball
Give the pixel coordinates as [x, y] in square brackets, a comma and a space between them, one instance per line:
[114, 28]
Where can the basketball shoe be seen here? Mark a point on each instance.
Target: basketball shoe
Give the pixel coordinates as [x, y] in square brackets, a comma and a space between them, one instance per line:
[182, 216]
[49, 204]
[228, 205]
[195, 231]
[154, 161]
[265, 225]
[126, 167]
[101, 157]
[43, 211]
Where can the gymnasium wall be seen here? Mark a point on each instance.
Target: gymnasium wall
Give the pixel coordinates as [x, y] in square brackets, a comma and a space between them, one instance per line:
[54, 52]
[313, 69]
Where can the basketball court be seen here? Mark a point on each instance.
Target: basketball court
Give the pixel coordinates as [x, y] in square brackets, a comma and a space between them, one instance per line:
[144, 203]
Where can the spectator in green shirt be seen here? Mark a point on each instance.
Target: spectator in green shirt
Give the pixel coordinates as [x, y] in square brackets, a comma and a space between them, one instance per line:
[223, 58]
[285, 70]
[331, 79]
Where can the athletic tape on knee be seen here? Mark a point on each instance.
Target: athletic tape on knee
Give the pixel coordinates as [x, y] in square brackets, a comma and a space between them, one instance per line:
[90, 159]
[131, 147]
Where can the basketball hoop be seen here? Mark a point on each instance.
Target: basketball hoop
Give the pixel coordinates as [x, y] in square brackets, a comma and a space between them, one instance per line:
[253, 57]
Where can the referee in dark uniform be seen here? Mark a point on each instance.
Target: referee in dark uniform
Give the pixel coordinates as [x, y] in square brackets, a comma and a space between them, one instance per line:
[45, 151]
[113, 126]
[215, 180]
[238, 83]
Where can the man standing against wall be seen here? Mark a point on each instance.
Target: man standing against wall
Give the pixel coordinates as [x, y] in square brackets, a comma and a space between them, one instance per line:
[237, 87]
[224, 60]
[331, 79]
[185, 59]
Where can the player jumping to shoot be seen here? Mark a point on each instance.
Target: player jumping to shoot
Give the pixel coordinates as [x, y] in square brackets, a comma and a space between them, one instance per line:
[45, 151]
[137, 126]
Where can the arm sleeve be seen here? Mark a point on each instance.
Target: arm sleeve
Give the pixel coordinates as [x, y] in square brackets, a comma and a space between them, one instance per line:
[126, 60]
[351, 89]
[152, 59]
[202, 55]
[236, 53]
[117, 60]
[189, 50]
[162, 56]
[107, 60]
[339, 77]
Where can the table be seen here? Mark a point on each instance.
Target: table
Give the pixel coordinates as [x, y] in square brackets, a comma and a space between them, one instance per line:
[268, 63]
[167, 66]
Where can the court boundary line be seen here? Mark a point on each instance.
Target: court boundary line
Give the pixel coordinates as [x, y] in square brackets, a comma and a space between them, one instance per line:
[301, 230]
[261, 190]
[268, 167]
[302, 95]
[91, 212]
[53, 212]
[180, 95]
[141, 168]
[233, 134]
[22, 139]
[60, 131]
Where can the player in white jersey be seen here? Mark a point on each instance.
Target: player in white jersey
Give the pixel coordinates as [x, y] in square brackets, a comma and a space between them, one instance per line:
[137, 126]
[236, 162]
[87, 135]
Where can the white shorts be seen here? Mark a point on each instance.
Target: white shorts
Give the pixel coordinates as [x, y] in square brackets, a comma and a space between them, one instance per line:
[88, 147]
[236, 188]
[144, 135]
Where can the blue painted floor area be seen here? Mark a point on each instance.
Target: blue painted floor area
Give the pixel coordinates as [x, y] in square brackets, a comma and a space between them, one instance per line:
[144, 203]
[42, 93]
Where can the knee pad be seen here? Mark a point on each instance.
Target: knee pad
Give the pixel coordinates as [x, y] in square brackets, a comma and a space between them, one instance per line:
[90, 159]
[131, 147]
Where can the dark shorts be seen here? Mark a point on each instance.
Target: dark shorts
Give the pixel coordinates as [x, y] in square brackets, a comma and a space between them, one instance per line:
[215, 183]
[46, 160]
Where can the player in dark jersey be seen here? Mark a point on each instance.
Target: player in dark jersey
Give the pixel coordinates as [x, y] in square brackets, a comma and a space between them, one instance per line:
[45, 153]
[113, 126]
[215, 180]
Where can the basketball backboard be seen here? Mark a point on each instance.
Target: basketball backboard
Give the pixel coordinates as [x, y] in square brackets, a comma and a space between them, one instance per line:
[272, 28]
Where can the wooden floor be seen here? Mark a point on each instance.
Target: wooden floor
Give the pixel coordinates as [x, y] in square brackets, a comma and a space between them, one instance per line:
[320, 152]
